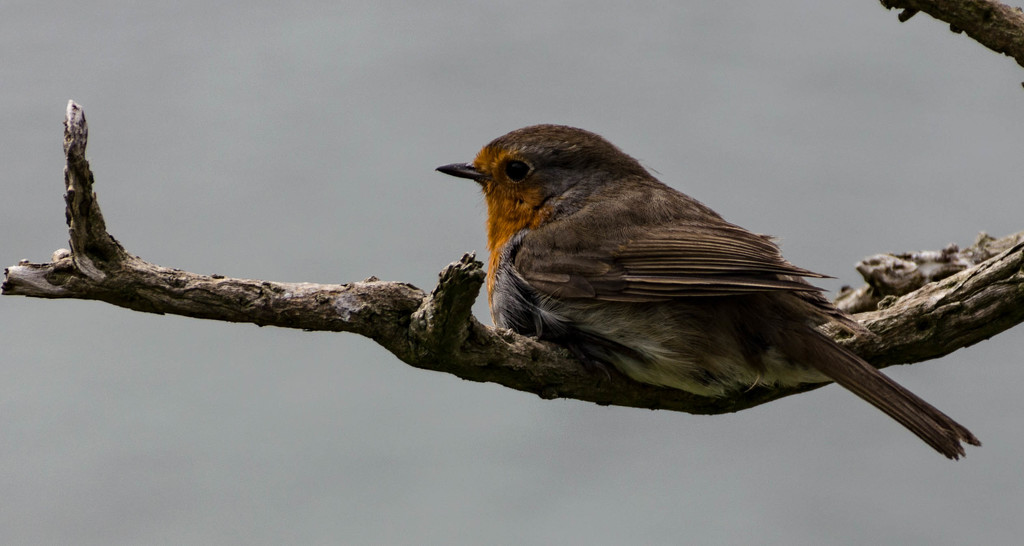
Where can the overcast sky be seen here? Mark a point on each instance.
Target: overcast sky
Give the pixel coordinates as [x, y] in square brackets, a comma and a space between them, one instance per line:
[297, 142]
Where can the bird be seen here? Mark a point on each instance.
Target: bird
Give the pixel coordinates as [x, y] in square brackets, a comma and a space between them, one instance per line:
[587, 249]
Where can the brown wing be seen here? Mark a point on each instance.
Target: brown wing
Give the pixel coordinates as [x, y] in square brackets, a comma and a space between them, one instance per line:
[693, 252]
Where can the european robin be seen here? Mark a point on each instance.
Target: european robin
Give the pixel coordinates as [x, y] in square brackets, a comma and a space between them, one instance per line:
[590, 251]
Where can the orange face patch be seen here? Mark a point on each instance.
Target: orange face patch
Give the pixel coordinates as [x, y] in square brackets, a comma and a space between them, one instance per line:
[489, 160]
[511, 205]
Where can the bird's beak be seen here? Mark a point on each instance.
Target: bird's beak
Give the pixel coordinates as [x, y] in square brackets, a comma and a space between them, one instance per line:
[462, 170]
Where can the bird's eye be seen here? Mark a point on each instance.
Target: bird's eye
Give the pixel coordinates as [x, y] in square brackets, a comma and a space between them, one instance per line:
[516, 170]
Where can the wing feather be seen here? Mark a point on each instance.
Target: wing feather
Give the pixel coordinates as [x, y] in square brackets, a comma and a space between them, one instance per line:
[697, 255]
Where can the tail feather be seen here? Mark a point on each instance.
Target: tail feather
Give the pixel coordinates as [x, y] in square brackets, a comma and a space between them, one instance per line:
[851, 372]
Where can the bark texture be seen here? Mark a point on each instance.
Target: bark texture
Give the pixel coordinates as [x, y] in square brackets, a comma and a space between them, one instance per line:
[992, 24]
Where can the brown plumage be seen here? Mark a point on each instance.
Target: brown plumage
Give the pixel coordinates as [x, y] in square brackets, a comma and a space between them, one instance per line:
[591, 251]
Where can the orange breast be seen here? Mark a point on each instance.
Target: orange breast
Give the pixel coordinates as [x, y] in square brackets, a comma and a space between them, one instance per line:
[509, 210]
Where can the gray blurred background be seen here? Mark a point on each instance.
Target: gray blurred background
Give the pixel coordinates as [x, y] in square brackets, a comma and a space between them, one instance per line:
[297, 141]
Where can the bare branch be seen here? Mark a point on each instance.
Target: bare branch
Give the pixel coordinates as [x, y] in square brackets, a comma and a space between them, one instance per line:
[992, 24]
[899, 274]
[943, 316]
[437, 331]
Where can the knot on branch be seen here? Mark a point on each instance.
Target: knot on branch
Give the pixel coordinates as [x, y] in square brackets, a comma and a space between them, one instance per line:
[899, 274]
[894, 275]
[442, 321]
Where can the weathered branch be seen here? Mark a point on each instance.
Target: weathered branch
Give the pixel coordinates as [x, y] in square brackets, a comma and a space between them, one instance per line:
[889, 275]
[992, 24]
[437, 331]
